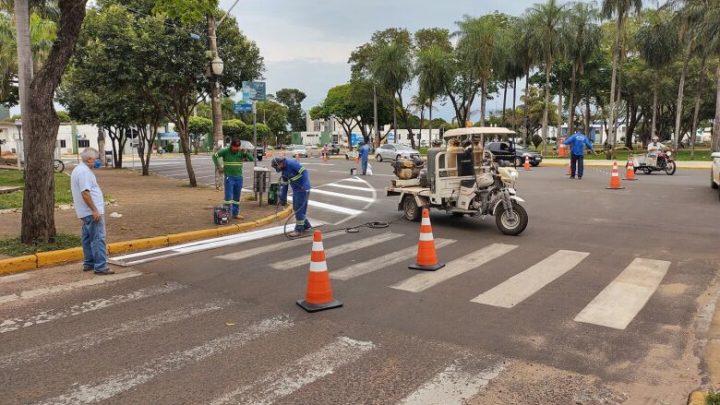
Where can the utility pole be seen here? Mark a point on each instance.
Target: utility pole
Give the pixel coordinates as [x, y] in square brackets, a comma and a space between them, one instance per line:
[376, 141]
[215, 89]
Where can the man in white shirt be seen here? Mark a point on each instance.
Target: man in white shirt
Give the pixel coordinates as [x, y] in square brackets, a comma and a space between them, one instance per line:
[653, 149]
[90, 208]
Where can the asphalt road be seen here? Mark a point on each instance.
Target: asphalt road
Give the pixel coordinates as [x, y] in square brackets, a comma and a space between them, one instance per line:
[603, 299]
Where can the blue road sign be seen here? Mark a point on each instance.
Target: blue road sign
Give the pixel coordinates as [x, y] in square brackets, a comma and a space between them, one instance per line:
[242, 107]
[253, 90]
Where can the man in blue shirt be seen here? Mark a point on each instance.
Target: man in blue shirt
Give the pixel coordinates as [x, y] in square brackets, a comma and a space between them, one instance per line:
[578, 142]
[364, 153]
[298, 178]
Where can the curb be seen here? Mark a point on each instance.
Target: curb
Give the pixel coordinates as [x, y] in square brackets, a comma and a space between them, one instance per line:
[697, 398]
[593, 163]
[44, 259]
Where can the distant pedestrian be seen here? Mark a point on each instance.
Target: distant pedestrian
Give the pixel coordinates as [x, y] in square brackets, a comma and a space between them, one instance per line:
[578, 141]
[364, 152]
[90, 209]
[232, 157]
[294, 175]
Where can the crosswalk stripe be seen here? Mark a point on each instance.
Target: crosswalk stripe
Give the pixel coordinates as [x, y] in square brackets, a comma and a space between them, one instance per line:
[341, 195]
[82, 342]
[382, 262]
[243, 254]
[337, 250]
[452, 386]
[338, 185]
[622, 299]
[330, 207]
[128, 379]
[425, 280]
[351, 179]
[39, 292]
[523, 285]
[9, 325]
[300, 373]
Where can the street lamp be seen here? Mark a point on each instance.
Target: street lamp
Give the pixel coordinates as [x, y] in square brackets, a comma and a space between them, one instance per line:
[217, 66]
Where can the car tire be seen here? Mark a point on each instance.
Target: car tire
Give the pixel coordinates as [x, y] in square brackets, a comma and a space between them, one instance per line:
[347, 157]
[378, 158]
[712, 181]
[411, 211]
[518, 162]
[398, 157]
[536, 164]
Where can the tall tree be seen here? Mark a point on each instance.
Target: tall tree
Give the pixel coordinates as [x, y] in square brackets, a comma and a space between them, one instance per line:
[433, 65]
[295, 115]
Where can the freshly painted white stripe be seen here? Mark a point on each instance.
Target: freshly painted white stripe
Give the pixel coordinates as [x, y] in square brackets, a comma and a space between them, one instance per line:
[426, 236]
[338, 185]
[331, 207]
[341, 195]
[521, 286]
[384, 261]
[88, 340]
[131, 378]
[317, 164]
[318, 266]
[352, 179]
[337, 250]
[452, 386]
[39, 292]
[198, 246]
[14, 277]
[617, 305]
[9, 325]
[300, 373]
[425, 280]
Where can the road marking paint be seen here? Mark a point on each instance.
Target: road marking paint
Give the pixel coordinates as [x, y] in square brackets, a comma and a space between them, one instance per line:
[331, 207]
[523, 285]
[14, 277]
[617, 305]
[338, 250]
[9, 325]
[351, 179]
[39, 292]
[128, 379]
[452, 386]
[341, 195]
[425, 280]
[318, 164]
[300, 373]
[82, 342]
[338, 185]
[245, 253]
[382, 262]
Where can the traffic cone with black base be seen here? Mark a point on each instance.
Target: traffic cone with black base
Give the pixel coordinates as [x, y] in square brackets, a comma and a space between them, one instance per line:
[318, 296]
[526, 165]
[630, 172]
[615, 179]
[426, 255]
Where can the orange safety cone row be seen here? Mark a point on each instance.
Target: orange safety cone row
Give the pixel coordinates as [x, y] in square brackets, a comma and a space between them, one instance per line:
[615, 178]
[630, 172]
[426, 255]
[318, 295]
[526, 165]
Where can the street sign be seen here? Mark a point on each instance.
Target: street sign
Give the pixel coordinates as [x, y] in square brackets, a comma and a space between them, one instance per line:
[391, 137]
[253, 91]
[242, 107]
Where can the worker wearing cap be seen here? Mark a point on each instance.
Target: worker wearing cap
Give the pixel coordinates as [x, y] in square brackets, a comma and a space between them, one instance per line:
[294, 174]
[232, 157]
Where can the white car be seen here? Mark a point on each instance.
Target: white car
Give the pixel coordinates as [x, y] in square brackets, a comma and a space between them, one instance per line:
[715, 171]
[297, 151]
[392, 151]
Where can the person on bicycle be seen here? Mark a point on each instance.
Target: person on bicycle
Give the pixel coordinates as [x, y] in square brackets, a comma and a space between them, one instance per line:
[232, 157]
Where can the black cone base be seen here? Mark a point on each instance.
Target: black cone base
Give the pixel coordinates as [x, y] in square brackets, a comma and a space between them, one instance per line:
[426, 268]
[318, 307]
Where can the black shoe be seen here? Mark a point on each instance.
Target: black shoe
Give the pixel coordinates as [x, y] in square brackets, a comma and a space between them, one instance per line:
[104, 273]
[87, 269]
[572, 177]
[579, 178]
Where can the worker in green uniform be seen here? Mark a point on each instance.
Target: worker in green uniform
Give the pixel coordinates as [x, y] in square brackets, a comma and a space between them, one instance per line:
[232, 157]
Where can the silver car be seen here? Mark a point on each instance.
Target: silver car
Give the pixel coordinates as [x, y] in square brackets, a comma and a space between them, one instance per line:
[392, 151]
[297, 151]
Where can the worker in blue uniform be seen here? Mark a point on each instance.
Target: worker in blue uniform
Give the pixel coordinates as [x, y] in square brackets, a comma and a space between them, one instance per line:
[364, 153]
[295, 175]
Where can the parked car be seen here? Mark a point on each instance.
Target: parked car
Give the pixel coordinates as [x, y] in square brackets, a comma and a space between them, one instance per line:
[392, 151]
[334, 149]
[502, 152]
[297, 151]
[715, 172]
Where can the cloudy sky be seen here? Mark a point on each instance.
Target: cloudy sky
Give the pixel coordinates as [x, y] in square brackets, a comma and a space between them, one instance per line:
[306, 43]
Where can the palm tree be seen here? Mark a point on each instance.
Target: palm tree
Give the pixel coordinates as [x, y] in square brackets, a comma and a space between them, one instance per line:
[657, 41]
[621, 9]
[546, 20]
[433, 75]
[391, 67]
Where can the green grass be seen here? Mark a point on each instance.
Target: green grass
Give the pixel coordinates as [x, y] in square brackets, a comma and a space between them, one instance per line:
[701, 155]
[15, 199]
[712, 398]
[13, 247]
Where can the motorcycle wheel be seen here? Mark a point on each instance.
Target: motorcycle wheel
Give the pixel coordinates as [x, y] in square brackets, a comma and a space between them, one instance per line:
[670, 168]
[411, 211]
[58, 166]
[513, 222]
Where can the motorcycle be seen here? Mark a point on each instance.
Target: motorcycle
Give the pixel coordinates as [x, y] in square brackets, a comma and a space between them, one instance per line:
[663, 161]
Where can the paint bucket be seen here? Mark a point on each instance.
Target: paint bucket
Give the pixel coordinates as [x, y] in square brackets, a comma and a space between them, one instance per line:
[353, 171]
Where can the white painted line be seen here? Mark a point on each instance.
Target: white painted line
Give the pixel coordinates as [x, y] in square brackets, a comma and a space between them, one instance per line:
[379, 263]
[317, 164]
[425, 280]
[245, 253]
[338, 185]
[331, 207]
[300, 373]
[617, 305]
[9, 325]
[452, 386]
[14, 277]
[522, 285]
[351, 179]
[131, 378]
[338, 250]
[341, 195]
[39, 292]
[86, 341]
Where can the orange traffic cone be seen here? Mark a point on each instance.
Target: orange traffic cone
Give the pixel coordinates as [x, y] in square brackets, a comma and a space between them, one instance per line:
[318, 295]
[426, 256]
[615, 178]
[526, 165]
[630, 172]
